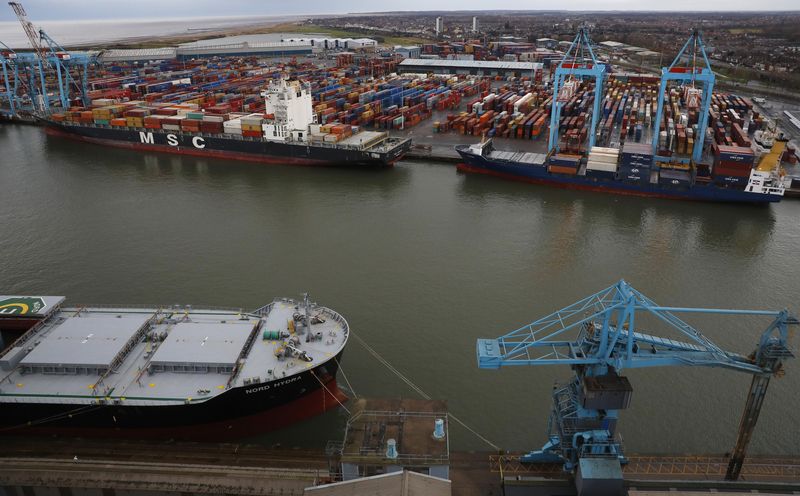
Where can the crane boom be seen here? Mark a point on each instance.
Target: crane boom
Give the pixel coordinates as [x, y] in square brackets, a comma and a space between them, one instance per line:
[30, 32]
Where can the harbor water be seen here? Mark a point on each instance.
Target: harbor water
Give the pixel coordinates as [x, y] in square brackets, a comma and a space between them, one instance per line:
[422, 261]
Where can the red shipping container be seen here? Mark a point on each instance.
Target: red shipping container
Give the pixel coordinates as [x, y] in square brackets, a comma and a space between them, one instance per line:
[731, 171]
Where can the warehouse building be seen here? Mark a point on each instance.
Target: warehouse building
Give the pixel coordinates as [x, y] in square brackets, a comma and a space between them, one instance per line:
[245, 49]
[408, 52]
[468, 67]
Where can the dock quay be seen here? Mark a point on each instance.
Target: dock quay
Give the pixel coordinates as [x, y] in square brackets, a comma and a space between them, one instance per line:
[89, 466]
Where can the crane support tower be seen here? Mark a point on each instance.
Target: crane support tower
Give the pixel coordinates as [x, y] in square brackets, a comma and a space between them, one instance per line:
[8, 60]
[599, 337]
[690, 74]
[25, 84]
[577, 63]
[64, 62]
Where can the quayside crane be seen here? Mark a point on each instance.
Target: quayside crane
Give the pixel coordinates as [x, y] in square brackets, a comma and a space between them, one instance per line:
[8, 60]
[698, 80]
[64, 62]
[70, 69]
[599, 337]
[578, 62]
[24, 81]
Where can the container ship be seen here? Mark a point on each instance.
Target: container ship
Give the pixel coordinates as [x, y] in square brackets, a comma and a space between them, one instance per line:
[286, 133]
[166, 372]
[735, 176]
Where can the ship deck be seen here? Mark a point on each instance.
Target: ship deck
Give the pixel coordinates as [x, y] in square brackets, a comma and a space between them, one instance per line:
[157, 356]
[518, 157]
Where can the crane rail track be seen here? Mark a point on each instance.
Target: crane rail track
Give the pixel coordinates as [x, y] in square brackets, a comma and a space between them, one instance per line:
[708, 467]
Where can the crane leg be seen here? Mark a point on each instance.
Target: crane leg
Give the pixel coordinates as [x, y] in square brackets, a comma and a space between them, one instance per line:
[755, 399]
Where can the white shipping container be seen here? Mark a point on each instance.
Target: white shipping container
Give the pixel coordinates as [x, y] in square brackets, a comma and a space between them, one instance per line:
[232, 124]
[607, 159]
[601, 166]
[602, 149]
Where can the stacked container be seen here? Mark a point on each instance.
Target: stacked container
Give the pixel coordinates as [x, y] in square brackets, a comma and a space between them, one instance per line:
[732, 165]
[636, 162]
[602, 162]
[563, 163]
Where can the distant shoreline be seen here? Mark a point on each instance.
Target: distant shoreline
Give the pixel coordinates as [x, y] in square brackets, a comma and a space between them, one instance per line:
[173, 35]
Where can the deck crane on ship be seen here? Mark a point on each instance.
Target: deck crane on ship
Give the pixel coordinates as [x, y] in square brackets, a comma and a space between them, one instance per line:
[599, 337]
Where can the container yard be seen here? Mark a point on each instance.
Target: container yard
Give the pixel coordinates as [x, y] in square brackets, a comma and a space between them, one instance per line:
[391, 247]
[363, 94]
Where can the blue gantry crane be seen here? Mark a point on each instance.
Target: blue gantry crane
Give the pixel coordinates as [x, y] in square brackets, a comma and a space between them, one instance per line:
[578, 62]
[599, 337]
[64, 63]
[25, 72]
[24, 82]
[685, 69]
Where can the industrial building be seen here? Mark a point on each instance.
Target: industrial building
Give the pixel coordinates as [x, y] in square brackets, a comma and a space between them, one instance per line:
[408, 52]
[245, 49]
[468, 67]
[548, 43]
[404, 483]
[367, 44]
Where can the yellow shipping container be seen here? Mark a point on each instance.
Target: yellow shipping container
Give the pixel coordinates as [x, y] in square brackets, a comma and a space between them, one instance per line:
[134, 121]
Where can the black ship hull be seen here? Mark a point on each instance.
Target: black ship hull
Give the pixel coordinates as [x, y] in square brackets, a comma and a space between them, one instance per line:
[236, 413]
[232, 148]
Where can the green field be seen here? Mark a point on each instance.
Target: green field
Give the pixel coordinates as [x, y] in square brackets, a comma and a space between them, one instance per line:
[341, 33]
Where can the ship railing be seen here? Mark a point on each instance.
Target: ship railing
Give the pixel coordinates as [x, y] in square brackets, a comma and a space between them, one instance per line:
[162, 308]
[266, 309]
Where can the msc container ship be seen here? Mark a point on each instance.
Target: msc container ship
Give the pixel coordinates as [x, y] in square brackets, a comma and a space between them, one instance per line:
[166, 372]
[633, 170]
[285, 134]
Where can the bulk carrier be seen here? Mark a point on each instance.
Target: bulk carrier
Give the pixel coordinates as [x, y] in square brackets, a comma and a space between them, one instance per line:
[168, 372]
[287, 133]
[735, 176]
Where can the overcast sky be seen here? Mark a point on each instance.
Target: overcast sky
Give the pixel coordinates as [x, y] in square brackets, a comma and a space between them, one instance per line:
[116, 9]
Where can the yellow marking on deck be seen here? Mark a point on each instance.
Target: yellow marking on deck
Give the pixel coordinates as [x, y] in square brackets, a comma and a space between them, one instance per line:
[90, 386]
[152, 385]
[19, 384]
[22, 307]
[221, 386]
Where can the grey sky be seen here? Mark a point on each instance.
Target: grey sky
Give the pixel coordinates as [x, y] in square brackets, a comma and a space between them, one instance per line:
[116, 9]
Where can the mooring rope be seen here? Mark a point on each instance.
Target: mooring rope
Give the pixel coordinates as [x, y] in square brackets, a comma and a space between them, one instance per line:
[418, 390]
[349, 386]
